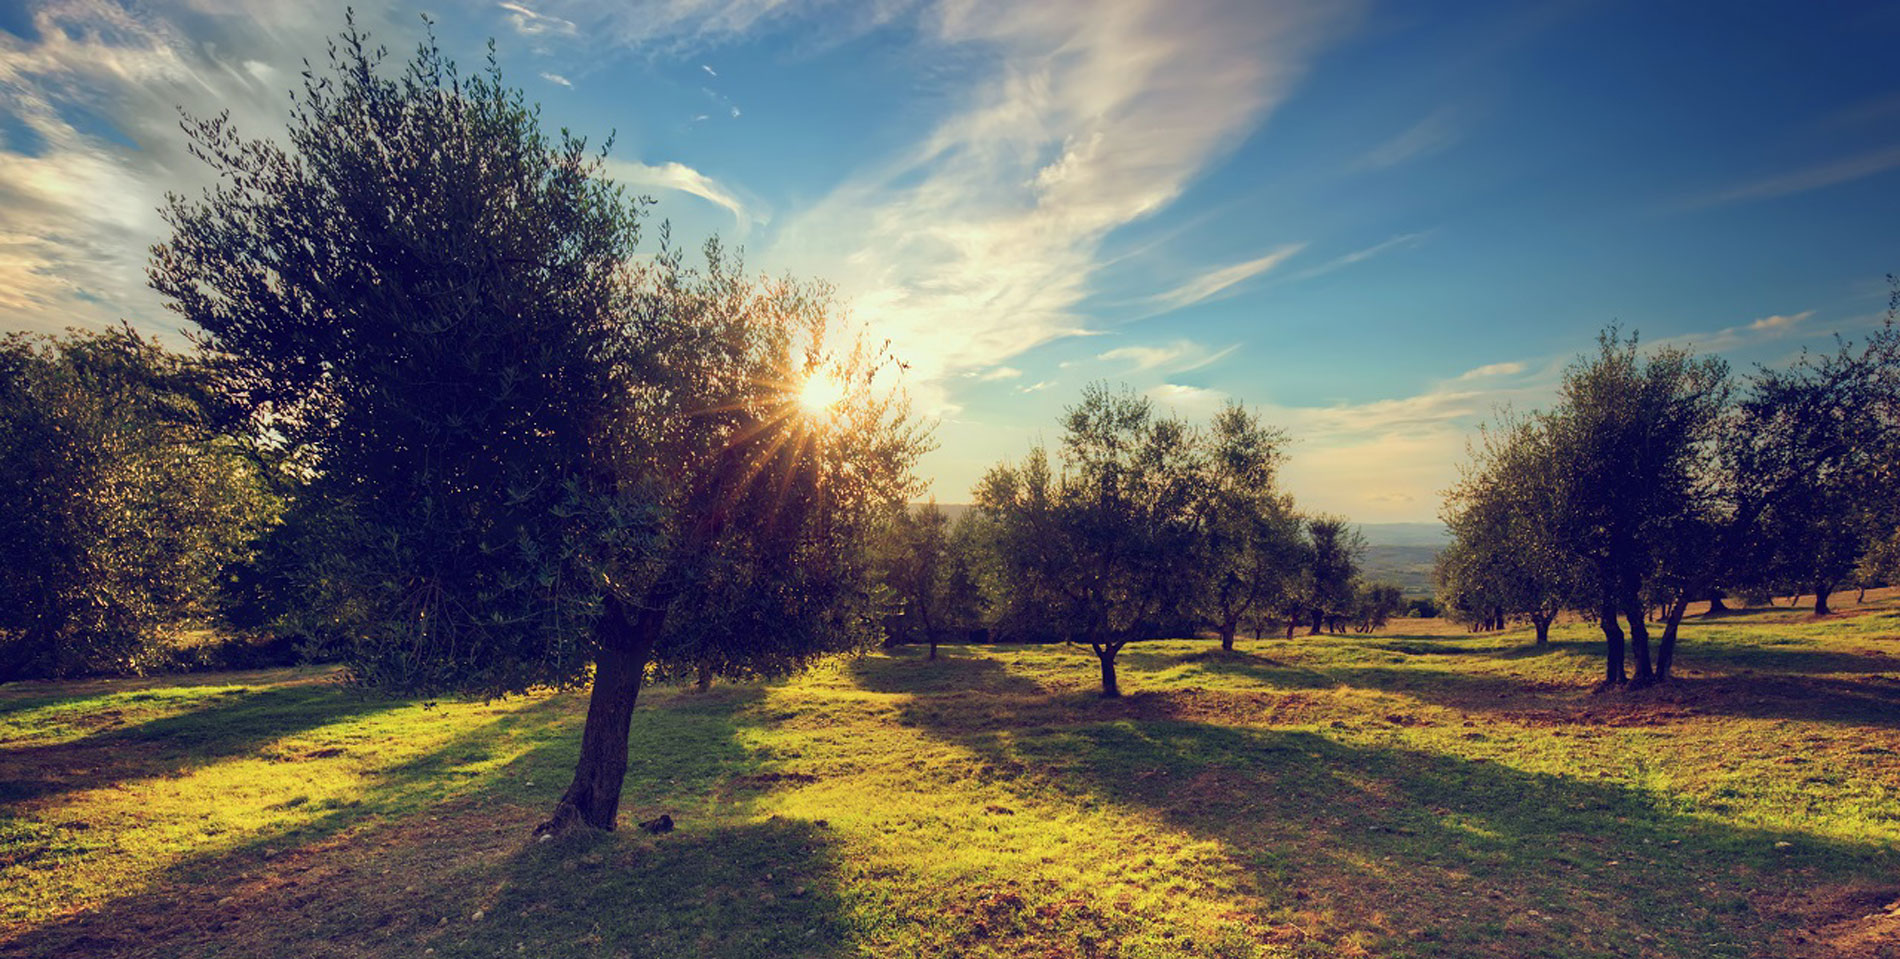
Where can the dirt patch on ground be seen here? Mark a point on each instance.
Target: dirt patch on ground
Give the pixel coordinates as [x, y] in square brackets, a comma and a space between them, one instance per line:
[1844, 922]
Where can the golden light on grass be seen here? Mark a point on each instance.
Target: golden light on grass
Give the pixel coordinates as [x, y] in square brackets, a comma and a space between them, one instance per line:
[820, 393]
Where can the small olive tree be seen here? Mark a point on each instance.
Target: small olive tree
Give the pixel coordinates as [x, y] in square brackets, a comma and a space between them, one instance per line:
[1105, 537]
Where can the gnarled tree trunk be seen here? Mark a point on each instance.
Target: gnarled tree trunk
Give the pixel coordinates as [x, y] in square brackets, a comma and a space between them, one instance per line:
[1613, 644]
[1637, 615]
[1821, 592]
[1666, 649]
[624, 645]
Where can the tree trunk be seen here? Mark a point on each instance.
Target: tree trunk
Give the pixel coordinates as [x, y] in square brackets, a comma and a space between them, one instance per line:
[1542, 623]
[1820, 599]
[1716, 606]
[1637, 614]
[1227, 630]
[933, 646]
[1612, 643]
[594, 796]
[1319, 618]
[703, 681]
[1666, 649]
[1291, 625]
[1110, 689]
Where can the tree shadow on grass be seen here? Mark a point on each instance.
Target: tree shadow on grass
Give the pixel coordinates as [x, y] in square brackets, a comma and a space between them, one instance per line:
[1432, 854]
[236, 724]
[955, 670]
[404, 866]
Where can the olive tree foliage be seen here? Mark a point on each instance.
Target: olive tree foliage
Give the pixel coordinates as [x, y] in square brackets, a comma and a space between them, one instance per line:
[123, 498]
[1334, 548]
[1508, 557]
[1374, 605]
[1811, 464]
[1250, 546]
[929, 574]
[1103, 538]
[535, 462]
[1631, 443]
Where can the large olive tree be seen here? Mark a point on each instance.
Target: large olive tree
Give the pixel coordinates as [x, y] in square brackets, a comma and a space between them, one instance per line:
[536, 461]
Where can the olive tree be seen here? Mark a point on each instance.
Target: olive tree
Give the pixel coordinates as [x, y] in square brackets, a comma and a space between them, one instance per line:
[536, 461]
[1103, 537]
[1250, 548]
[123, 498]
[1508, 556]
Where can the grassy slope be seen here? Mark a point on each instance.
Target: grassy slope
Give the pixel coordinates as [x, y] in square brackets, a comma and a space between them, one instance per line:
[1405, 794]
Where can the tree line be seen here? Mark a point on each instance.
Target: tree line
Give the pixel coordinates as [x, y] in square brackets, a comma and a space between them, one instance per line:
[1660, 478]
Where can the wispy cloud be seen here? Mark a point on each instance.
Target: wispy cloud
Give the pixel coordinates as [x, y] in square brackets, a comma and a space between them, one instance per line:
[684, 179]
[99, 88]
[1438, 130]
[1217, 281]
[1180, 356]
[1816, 177]
[531, 23]
[1360, 256]
[1762, 330]
[557, 78]
[980, 242]
[1490, 370]
[997, 373]
[1189, 400]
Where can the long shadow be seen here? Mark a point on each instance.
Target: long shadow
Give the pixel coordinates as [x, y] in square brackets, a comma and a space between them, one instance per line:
[1436, 855]
[955, 670]
[238, 724]
[404, 866]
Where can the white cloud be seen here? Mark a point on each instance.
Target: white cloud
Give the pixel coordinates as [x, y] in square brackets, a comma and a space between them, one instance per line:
[1177, 357]
[1036, 387]
[1192, 401]
[1217, 280]
[709, 70]
[78, 209]
[980, 242]
[557, 78]
[997, 373]
[1490, 370]
[684, 179]
[531, 23]
[1742, 334]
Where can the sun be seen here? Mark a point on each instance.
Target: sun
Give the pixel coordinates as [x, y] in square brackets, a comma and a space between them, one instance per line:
[821, 392]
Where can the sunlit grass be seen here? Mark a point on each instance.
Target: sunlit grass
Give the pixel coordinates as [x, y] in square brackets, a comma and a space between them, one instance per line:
[1413, 793]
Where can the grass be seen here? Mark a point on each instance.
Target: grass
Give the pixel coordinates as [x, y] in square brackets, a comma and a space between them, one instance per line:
[1412, 793]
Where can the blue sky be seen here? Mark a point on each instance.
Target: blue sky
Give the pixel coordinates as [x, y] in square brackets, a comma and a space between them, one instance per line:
[1375, 223]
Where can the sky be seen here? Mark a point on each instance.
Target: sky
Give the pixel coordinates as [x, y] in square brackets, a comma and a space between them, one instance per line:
[1377, 224]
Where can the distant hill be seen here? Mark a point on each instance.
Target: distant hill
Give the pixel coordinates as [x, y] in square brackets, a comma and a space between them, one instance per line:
[1434, 535]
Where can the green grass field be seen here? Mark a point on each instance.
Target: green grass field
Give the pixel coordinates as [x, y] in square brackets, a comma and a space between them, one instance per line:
[1410, 793]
